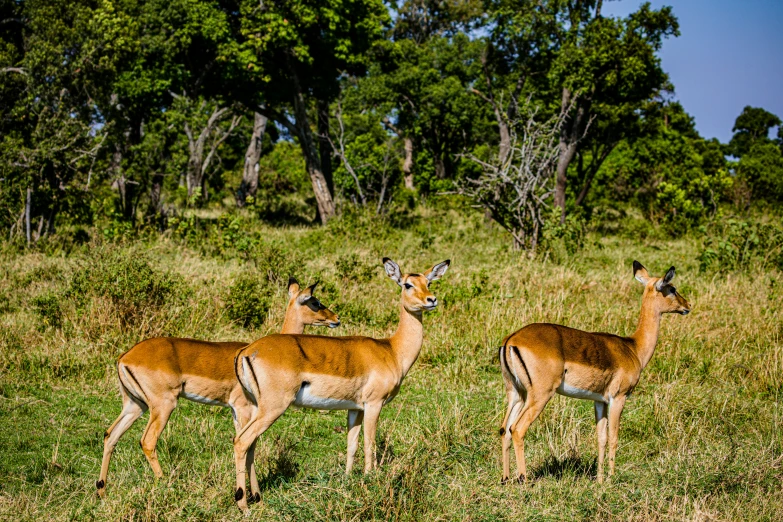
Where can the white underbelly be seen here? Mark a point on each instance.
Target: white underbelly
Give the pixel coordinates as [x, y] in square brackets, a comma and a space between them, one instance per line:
[578, 393]
[203, 400]
[305, 399]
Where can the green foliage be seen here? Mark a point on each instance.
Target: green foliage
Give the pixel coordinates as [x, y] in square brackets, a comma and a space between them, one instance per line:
[249, 300]
[752, 126]
[352, 267]
[128, 281]
[47, 308]
[736, 245]
[560, 241]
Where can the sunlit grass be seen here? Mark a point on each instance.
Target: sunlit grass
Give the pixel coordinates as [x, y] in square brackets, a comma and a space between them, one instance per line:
[701, 437]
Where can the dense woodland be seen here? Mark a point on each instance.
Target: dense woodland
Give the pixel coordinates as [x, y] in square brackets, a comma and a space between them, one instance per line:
[130, 115]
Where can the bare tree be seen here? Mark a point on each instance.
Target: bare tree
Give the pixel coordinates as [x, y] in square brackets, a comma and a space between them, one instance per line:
[515, 186]
[202, 147]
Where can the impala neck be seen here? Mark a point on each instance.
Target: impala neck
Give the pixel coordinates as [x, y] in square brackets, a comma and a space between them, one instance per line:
[406, 341]
[646, 335]
[292, 324]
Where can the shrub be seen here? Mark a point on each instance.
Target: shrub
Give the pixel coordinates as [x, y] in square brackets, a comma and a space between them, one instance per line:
[128, 280]
[351, 266]
[47, 308]
[738, 245]
[559, 241]
[249, 300]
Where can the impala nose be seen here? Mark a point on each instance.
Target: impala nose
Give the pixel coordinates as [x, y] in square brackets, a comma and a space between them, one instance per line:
[432, 301]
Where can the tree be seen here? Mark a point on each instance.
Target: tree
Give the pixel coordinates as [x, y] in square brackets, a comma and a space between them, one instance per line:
[515, 189]
[285, 58]
[752, 126]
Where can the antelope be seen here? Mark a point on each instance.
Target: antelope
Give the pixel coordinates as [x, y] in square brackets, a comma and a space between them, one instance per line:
[156, 372]
[542, 359]
[358, 374]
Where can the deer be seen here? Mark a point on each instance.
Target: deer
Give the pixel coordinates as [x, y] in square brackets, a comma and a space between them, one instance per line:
[358, 374]
[156, 372]
[542, 359]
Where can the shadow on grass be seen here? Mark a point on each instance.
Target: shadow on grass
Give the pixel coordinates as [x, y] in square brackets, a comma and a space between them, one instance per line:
[282, 465]
[568, 465]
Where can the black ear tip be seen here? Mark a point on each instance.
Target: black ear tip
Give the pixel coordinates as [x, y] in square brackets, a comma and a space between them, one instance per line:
[447, 262]
[386, 260]
[637, 265]
[292, 281]
[671, 269]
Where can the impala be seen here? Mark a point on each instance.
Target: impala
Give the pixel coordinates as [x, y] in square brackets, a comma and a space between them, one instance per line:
[156, 372]
[543, 359]
[358, 374]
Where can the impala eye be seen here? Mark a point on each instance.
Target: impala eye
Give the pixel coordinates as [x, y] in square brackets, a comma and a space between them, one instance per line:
[408, 286]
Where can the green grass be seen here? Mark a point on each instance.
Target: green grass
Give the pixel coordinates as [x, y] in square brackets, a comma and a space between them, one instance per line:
[701, 437]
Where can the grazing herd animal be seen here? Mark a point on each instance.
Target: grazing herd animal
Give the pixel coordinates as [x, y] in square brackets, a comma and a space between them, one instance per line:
[261, 380]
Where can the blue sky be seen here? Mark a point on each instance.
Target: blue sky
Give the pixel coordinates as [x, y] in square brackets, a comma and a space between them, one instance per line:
[729, 55]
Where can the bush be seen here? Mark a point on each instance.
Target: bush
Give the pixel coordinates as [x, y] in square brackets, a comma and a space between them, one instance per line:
[738, 245]
[249, 300]
[559, 241]
[47, 308]
[351, 266]
[128, 280]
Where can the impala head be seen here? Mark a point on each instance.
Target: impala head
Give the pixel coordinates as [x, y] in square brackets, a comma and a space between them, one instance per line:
[661, 291]
[416, 295]
[307, 307]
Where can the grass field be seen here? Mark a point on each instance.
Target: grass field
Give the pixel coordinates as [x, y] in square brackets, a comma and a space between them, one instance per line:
[701, 437]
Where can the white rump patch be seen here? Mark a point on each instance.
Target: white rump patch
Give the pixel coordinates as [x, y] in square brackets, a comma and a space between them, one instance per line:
[305, 399]
[203, 400]
[578, 393]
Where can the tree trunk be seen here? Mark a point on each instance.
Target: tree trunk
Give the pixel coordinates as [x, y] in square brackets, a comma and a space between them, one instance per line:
[569, 139]
[27, 204]
[249, 185]
[440, 166]
[323, 197]
[407, 164]
[155, 207]
[325, 148]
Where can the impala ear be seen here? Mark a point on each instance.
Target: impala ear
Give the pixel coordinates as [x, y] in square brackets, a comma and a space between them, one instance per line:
[667, 279]
[306, 294]
[392, 270]
[640, 273]
[437, 271]
[293, 287]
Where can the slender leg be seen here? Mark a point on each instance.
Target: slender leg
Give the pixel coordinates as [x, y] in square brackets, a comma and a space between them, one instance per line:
[355, 418]
[616, 406]
[515, 405]
[159, 416]
[600, 431]
[242, 415]
[530, 411]
[255, 489]
[131, 411]
[243, 443]
[371, 414]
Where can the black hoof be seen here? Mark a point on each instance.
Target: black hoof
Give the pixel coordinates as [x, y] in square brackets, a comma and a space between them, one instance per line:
[100, 484]
[521, 479]
[504, 481]
[254, 498]
[239, 494]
